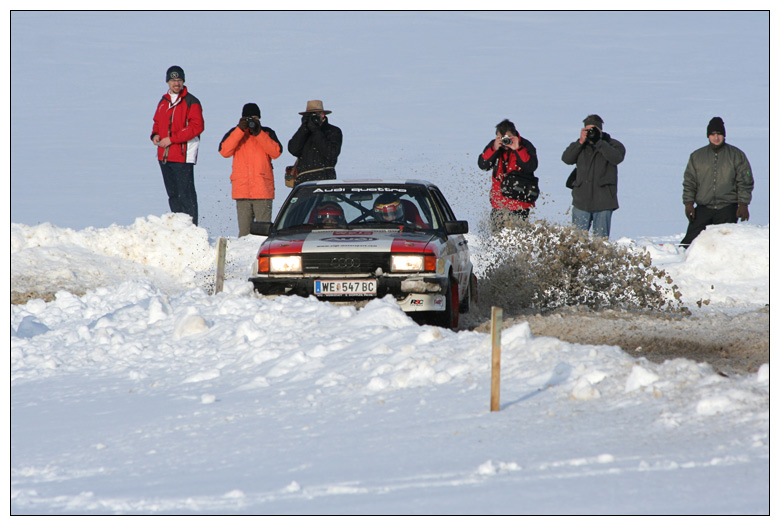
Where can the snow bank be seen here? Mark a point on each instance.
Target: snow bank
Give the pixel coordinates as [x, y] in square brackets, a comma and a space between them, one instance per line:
[726, 265]
[168, 250]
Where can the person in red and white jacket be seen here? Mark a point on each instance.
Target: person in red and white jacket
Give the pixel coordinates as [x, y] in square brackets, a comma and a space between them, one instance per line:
[178, 123]
[508, 152]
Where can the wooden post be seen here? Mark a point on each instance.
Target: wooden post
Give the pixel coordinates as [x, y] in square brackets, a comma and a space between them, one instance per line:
[496, 320]
[221, 250]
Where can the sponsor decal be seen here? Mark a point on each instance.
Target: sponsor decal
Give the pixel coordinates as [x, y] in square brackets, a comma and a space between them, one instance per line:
[332, 189]
[348, 239]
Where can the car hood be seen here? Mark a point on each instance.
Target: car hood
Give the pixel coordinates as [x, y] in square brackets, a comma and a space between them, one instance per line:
[368, 240]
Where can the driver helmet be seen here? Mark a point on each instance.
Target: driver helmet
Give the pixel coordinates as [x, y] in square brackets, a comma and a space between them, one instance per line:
[389, 208]
[330, 214]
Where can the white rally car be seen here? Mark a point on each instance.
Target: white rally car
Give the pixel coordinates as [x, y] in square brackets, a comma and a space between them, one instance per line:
[351, 241]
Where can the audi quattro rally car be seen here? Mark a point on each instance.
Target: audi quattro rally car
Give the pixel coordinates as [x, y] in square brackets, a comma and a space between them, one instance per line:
[351, 241]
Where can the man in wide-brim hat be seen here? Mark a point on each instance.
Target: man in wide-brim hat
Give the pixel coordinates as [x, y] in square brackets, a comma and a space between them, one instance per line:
[316, 144]
[314, 106]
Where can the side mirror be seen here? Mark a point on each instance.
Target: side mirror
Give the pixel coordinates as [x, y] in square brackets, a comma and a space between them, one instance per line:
[456, 227]
[259, 228]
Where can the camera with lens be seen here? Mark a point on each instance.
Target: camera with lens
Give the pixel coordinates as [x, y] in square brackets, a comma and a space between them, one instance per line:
[314, 118]
[506, 140]
[253, 125]
[594, 135]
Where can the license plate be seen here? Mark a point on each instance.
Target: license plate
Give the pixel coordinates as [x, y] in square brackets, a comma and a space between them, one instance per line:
[345, 287]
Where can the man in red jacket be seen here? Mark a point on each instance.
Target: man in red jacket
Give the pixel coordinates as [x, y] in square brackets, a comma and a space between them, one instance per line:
[252, 147]
[178, 123]
[507, 153]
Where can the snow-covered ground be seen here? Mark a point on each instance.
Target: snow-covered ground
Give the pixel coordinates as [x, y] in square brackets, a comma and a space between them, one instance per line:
[147, 394]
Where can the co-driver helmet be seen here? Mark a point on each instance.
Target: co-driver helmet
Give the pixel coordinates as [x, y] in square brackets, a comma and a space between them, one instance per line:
[388, 207]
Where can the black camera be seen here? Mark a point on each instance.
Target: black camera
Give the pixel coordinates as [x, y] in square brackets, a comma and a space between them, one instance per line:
[506, 140]
[253, 125]
[314, 118]
[594, 135]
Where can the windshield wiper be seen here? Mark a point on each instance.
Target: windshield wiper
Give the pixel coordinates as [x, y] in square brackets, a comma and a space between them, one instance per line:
[405, 225]
[295, 227]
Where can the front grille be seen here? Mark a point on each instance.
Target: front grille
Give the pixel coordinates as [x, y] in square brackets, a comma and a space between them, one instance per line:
[346, 262]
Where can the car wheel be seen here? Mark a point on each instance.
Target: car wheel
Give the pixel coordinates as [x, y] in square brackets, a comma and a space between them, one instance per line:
[470, 298]
[450, 317]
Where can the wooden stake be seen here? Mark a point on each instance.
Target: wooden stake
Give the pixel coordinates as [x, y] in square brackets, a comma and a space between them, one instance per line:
[221, 250]
[496, 320]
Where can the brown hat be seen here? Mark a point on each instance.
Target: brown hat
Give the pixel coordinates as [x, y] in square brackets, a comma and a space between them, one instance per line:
[314, 106]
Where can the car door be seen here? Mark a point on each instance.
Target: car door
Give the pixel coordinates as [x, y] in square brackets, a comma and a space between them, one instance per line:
[457, 244]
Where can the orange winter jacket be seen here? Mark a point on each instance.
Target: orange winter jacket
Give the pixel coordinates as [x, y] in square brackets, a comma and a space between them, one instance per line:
[253, 175]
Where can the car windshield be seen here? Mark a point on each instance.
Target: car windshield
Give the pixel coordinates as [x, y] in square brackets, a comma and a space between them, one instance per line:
[359, 206]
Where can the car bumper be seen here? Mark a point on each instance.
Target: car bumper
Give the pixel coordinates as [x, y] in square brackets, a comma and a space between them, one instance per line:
[413, 293]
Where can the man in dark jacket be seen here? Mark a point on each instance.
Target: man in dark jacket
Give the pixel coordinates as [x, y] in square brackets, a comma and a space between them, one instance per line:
[719, 181]
[594, 190]
[178, 123]
[316, 144]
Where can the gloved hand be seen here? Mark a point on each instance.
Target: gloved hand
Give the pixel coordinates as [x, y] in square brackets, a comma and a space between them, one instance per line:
[314, 123]
[742, 212]
[690, 211]
[243, 124]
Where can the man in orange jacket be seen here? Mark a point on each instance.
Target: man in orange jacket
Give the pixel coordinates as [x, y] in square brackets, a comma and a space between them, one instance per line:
[252, 147]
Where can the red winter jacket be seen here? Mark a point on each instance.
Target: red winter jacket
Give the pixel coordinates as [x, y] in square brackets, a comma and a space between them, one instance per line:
[502, 162]
[182, 121]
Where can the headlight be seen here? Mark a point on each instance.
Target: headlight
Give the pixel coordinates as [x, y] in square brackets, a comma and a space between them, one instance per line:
[421, 263]
[285, 264]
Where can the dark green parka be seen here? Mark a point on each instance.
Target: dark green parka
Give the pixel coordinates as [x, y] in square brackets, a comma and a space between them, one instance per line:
[718, 176]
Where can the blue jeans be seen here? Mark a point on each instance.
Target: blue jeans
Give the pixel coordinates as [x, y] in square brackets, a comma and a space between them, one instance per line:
[179, 179]
[599, 220]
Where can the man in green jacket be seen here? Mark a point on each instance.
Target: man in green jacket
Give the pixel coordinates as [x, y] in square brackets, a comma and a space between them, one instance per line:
[595, 180]
[719, 181]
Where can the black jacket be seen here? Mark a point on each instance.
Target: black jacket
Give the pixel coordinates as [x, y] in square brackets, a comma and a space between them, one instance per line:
[317, 151]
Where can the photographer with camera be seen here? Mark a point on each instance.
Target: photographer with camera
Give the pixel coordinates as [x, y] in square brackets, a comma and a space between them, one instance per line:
[316, 144]
[594, 182]
[510, 156]
[252, 147]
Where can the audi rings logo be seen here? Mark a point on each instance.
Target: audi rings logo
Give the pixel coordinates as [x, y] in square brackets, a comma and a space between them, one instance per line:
[345, 263]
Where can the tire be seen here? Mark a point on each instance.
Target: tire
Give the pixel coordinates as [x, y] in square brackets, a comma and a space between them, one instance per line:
[470, 299]
[450, 318]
